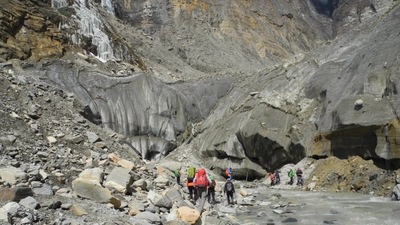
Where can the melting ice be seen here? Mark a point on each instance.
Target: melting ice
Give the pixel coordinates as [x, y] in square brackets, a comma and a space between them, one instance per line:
[59, 3]
[91, 25]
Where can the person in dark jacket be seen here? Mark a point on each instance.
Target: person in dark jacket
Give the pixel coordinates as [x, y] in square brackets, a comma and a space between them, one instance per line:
[229, 189]
[299, 174]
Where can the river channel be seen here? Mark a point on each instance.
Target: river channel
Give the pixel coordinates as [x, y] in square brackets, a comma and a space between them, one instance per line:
[321, 208]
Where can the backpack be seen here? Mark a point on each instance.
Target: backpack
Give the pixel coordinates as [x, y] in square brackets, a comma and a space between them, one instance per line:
[229, 186]
[191, 172]
[212, 181]
[176, 173]
[201, 178]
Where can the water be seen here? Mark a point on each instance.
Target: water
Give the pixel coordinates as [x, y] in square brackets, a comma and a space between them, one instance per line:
[108, 5]
[324, 208]
[59, 3]
[91, 25]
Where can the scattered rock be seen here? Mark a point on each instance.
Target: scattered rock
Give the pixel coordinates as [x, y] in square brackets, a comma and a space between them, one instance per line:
[187, 214]
[78, 210]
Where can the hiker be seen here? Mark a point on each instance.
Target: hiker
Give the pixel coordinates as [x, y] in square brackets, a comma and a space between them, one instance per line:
[229, 173]
[299, 174]
[190, 185]
[271, 177]
[192, 190]
[291, 176]
[178, 174]
[277, 177]
[201, 182]
[229, 189]
[211, 191]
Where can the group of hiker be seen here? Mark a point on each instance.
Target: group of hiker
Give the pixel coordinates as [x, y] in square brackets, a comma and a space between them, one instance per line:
[276, 179]
[201, 186]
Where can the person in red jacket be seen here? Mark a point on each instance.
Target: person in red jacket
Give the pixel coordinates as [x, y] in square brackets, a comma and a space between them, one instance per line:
[271, 177]
[201, 182]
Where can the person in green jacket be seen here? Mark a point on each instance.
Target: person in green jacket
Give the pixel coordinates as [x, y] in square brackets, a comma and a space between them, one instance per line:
[291, 176]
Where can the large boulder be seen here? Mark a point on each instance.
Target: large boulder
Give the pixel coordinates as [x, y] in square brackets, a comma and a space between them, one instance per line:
[119, 179]
[15, 194]
[93, 190]
[13, 175]
[396, 193]
[96, 174]
[187, 214]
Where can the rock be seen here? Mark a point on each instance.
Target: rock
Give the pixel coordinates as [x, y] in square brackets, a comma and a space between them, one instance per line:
[92, 137]
[122, 162]
[30, 203]
[93, 190]
[10, 208]
[140, 183]
[148, 216]
[261, 214]
[359, 103]
[36, 184]
[15, 194]
[175, 196]
[135, 207]
[278, 211]
[51, 204]
[26, 220]
[44, 190]
[290, 220]
[43, 174]
[96, 174]
[161, 181]
[396, 193]
[220, 221]
[15, 115]
[243, 192]
[75, 139]
[119, 179]
[164, 173]
[65, 192]
[51, 139]
[171, 165]
[187, 214]
[159, 200]
[228, 210]
[153, 197]
[66, 206]
[137, 221]
[311, 186]
[13, 175]
[78, 210]
[358, 183]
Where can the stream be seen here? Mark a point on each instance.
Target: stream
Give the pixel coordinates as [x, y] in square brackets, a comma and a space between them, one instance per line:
[309, 207]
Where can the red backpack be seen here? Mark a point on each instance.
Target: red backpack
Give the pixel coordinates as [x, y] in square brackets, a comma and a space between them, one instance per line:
[201, 178]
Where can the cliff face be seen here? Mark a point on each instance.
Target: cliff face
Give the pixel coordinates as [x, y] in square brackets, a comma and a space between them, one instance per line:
[248, 84]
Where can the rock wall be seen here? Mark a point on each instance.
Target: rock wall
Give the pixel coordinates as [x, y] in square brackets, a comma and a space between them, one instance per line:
[338, 101]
